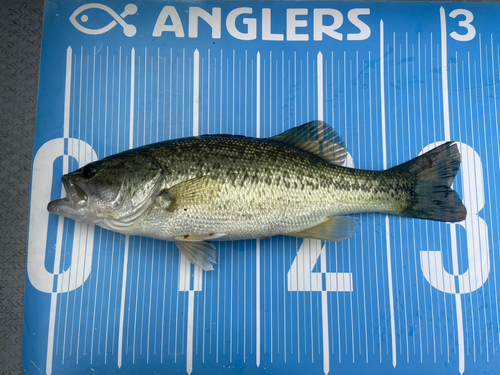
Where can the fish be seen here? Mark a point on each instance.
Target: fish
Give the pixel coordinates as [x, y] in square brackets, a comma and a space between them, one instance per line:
[229, 187]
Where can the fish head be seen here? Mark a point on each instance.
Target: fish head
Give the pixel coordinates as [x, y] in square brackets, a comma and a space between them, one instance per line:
[114, 190]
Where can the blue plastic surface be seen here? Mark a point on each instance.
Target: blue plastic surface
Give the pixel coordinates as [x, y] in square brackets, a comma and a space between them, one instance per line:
[402, 295]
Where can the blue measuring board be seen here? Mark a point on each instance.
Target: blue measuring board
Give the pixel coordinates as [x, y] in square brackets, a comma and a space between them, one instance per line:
[393, 79]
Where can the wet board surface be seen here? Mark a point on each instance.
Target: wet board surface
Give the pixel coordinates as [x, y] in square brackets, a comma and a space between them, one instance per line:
[393, 79]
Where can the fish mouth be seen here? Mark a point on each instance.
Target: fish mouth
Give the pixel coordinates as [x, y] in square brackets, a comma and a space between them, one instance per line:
[75, 204]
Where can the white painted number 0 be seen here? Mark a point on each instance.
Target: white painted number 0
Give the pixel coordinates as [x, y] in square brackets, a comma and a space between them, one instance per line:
[83, 236]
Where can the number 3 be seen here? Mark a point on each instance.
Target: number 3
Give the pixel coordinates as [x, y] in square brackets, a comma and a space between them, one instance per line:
[471, 31]
[478, 253]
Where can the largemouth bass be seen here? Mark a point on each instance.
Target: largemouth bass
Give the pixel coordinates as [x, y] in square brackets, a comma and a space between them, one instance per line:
[222, 187]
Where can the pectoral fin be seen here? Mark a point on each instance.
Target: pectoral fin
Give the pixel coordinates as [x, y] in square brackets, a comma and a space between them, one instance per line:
[201, 254]
[336, 228]
[190, 193]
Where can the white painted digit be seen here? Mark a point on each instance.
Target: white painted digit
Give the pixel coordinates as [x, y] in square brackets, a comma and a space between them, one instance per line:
[300, 276]
[476, 232]
[471, 30]
[83, 236]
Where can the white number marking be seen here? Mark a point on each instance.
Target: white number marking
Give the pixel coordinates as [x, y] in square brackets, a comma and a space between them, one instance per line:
[471, 30]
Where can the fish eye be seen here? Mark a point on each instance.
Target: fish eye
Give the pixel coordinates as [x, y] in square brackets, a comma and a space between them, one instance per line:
[89, 170]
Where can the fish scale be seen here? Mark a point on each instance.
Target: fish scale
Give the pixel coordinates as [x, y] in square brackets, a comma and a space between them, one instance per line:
[230, 187]
[262, 185]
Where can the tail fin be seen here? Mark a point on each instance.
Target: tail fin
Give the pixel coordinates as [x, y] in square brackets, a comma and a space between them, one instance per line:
[433, 174]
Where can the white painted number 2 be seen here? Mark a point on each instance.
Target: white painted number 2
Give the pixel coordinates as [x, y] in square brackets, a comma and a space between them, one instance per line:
[301, 278]
[471, 30]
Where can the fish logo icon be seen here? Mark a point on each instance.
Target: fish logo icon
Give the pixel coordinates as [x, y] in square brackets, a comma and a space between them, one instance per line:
[128, 30]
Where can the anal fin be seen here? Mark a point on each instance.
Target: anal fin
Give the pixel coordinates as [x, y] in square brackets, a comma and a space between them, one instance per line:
[336, 228]
[201, 254]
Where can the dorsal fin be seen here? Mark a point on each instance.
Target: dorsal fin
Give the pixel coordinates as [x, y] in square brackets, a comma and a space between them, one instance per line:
[316, 137]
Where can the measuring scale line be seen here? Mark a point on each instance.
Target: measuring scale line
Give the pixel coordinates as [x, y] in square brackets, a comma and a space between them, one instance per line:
[257, 249]
[127, 238]
[185, 279]
[387, 223]
[317, 243]
[53, 300]
[494, 175]
[453, 235]
[483, 272]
